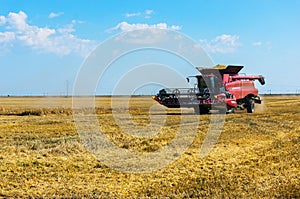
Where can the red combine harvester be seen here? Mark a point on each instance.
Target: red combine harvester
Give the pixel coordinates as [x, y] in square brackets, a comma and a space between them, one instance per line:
[218, 88]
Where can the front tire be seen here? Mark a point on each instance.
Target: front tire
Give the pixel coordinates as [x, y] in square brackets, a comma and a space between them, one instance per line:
[199, 110]
[250, 106]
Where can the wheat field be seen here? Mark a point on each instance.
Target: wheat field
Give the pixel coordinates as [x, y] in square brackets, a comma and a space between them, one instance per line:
[41, 155]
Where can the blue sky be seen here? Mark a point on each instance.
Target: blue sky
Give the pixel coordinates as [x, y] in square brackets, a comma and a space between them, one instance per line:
[44, 43]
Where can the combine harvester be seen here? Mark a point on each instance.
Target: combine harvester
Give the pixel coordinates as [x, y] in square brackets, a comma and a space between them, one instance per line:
[218, 88]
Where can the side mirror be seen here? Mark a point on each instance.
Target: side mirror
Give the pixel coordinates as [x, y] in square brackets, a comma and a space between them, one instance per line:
[188, 79]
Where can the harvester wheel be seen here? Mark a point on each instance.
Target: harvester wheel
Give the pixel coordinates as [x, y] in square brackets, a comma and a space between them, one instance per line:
[201, 110]
[250, 106]
[176, 92]
[204, 110]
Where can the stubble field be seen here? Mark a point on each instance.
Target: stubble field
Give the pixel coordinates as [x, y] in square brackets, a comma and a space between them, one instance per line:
[257, 155]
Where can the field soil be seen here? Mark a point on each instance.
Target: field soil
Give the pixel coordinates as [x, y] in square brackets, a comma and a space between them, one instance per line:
[41, 155]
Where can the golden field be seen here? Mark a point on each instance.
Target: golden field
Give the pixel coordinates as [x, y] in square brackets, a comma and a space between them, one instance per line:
[41, 156]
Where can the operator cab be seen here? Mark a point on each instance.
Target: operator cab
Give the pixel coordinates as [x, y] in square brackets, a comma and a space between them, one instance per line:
[205, 84]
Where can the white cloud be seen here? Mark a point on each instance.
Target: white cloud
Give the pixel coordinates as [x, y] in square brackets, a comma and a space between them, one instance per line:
[67, 29]
[148, 12]
[267, 45]
[175, 27]
[17, 21]
[124, 26]
[53, 15]
[221, 44]
[36, 37]
[258, 43]
[6, 37]
[2, 20]
[60, 41]
[77, 21]
[132, 14]
[6, 41]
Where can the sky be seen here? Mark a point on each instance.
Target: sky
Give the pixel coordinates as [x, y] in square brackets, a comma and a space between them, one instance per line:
[43, 44]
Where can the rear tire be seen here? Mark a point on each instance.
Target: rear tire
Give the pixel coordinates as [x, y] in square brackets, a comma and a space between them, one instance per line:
[250, 106]
[201, 110]
[204, 110]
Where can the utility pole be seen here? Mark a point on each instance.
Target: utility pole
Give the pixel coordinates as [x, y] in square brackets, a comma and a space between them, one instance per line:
[270, 91]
